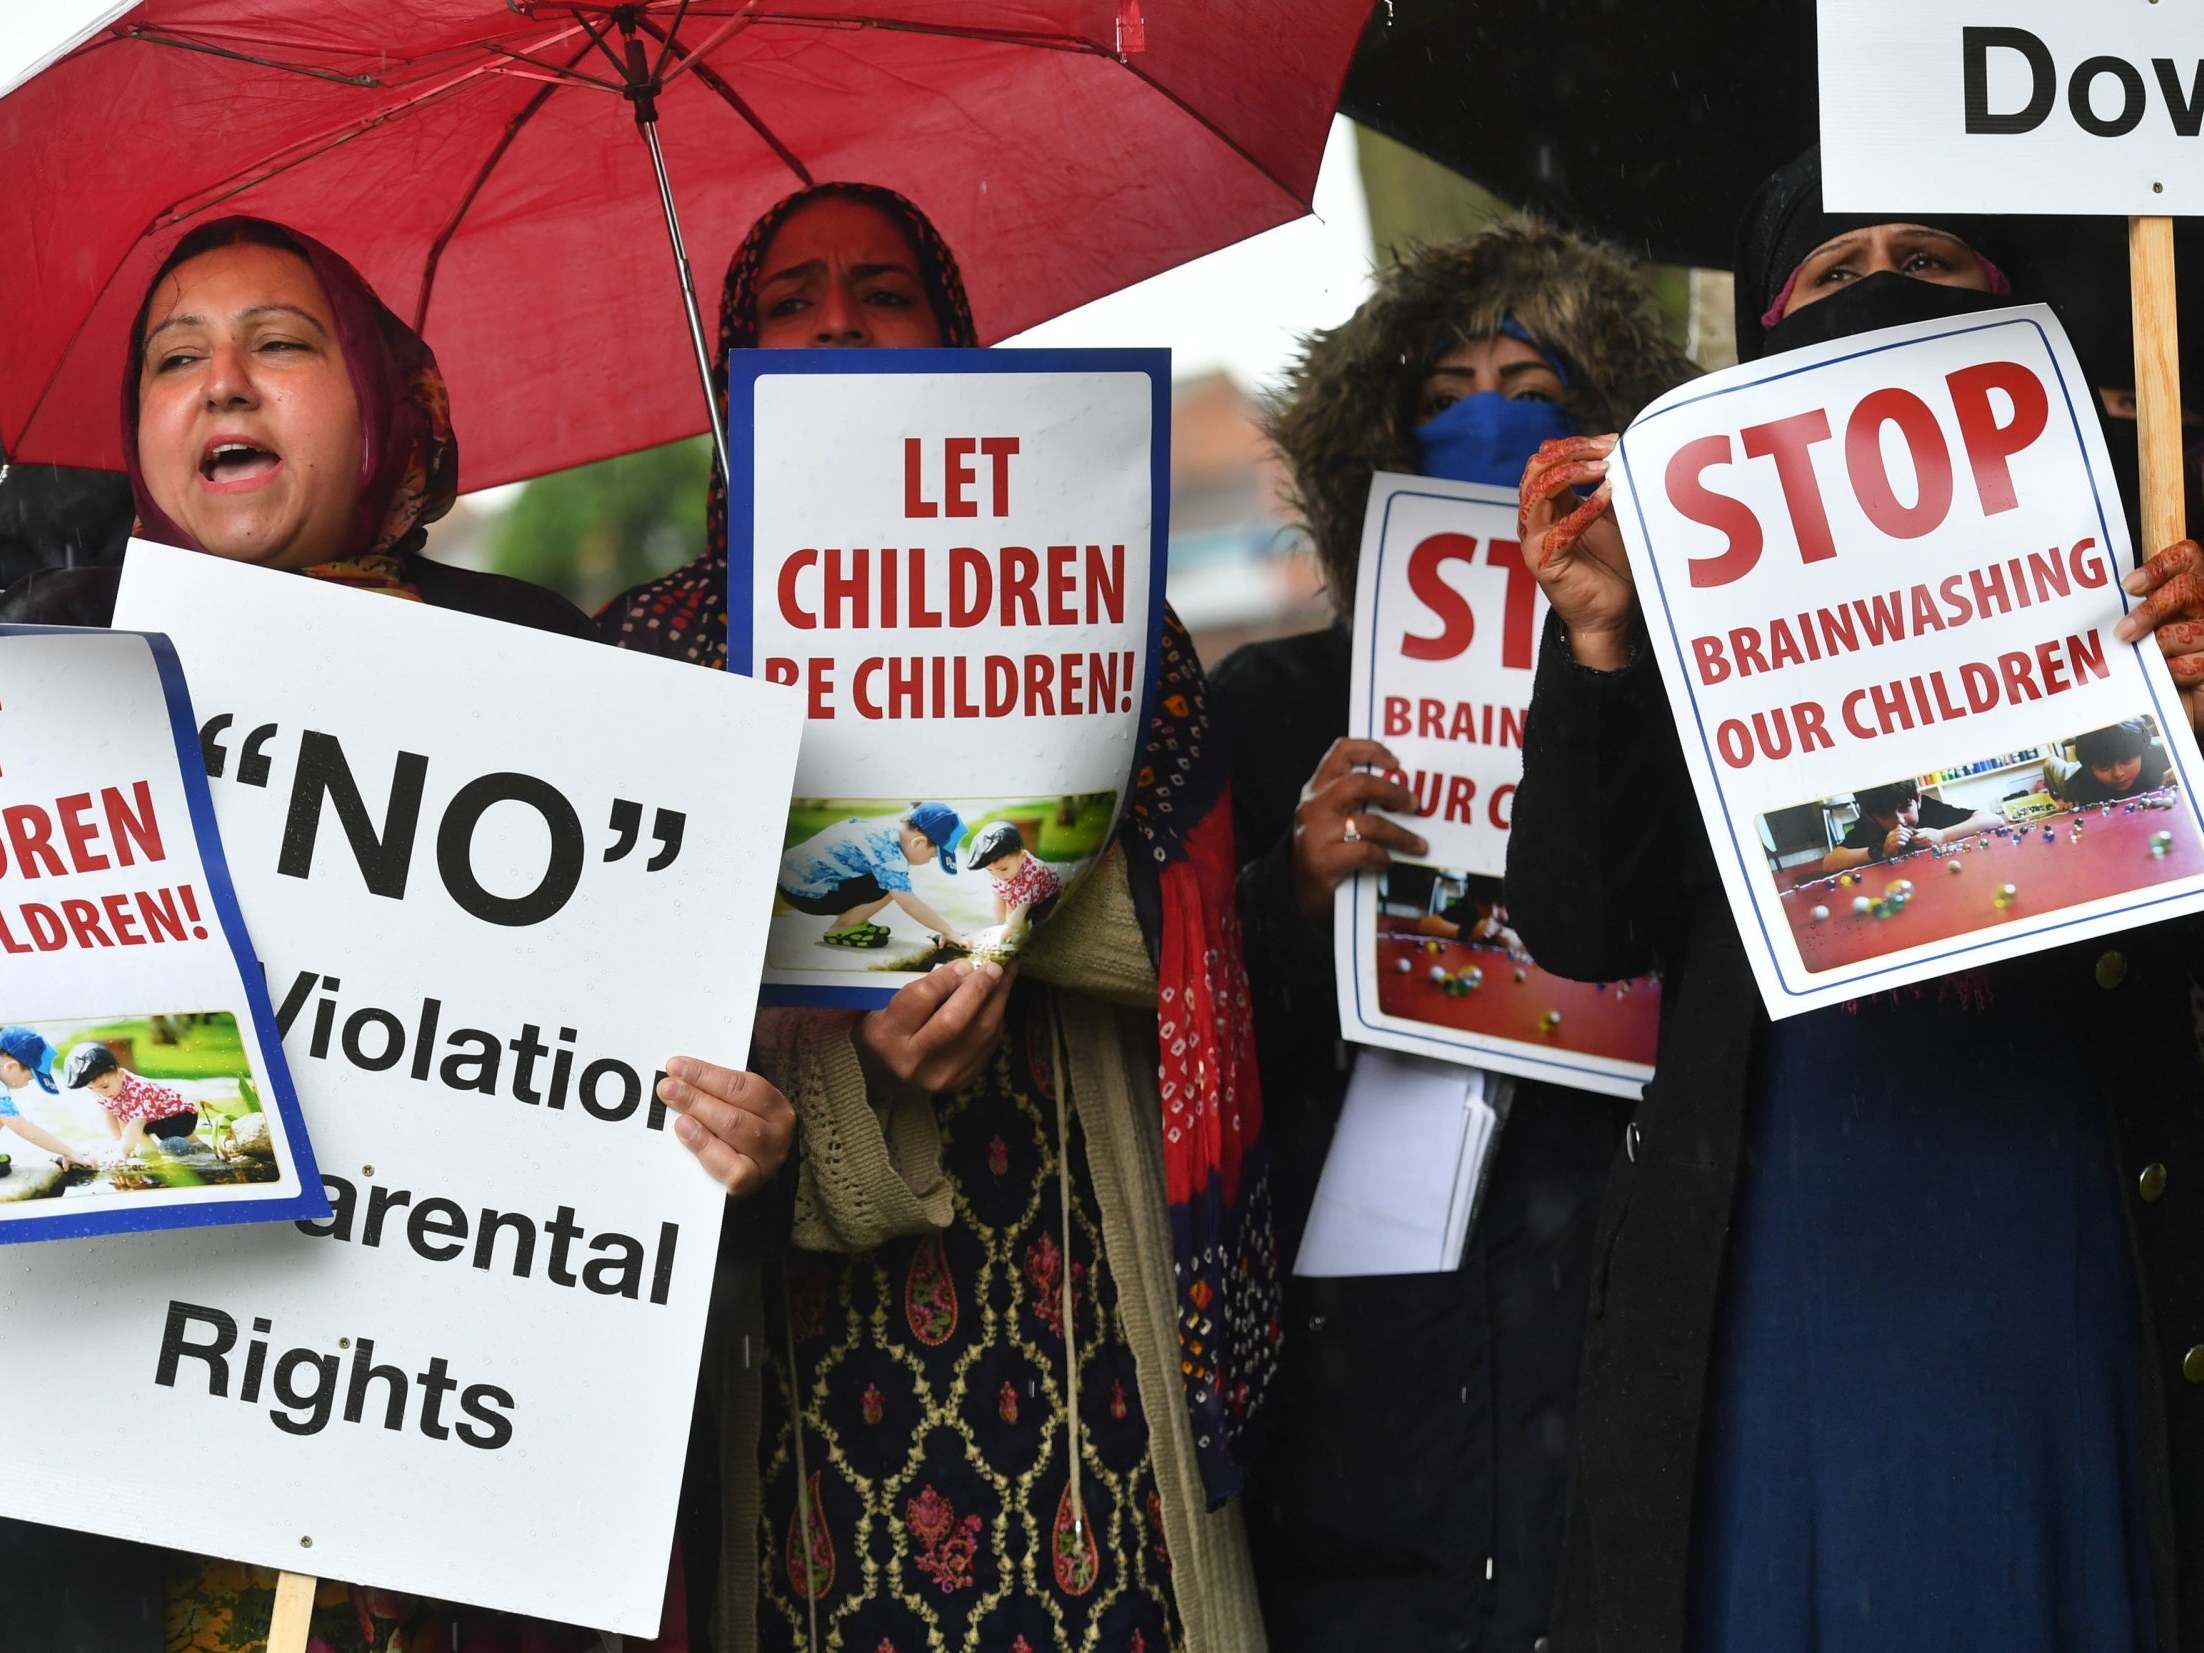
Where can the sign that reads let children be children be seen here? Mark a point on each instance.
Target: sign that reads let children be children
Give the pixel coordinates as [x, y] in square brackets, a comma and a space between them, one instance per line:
[1881, 577]
[142, 1081]
[957, 557]
[1447, 622]
[493, 892]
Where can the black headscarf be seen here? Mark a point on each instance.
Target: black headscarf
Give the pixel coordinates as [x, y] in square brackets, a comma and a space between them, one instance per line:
[1785, 221]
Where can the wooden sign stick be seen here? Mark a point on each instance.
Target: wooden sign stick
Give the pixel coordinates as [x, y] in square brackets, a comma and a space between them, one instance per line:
[294, 1613]
[2157, 380]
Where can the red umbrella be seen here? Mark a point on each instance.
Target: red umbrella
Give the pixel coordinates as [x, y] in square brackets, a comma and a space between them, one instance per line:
[479, 161]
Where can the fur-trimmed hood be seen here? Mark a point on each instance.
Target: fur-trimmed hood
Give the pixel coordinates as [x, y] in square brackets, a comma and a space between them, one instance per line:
[1349, 404]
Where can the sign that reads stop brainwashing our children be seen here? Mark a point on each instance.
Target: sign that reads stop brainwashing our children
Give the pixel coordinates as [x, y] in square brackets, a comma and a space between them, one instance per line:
[1881, 577]
[494, 890]
[957, 557]
[142, 1082]
[1447, 622]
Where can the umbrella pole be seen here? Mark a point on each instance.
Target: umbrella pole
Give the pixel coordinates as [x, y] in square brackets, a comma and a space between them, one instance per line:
[647, 124]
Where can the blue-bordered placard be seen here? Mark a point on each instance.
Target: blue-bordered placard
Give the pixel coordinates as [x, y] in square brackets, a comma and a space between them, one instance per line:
[748, 368]
[1958, 951]
[123, 1213]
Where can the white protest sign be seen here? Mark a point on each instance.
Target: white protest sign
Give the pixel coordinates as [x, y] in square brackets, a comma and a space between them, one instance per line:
[957, 557]
[142, 1082]
[494, 888]
[1447, 621]
[1446, 628]
[2030, 106]
[1893, 560]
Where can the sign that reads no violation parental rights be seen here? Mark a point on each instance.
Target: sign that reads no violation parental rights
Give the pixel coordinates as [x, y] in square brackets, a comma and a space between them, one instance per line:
[493, 890]
[1881, 576]
[1446, 628]
[957, 556]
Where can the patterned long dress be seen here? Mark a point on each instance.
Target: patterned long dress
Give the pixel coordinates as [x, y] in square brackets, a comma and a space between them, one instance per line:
[932, 1376]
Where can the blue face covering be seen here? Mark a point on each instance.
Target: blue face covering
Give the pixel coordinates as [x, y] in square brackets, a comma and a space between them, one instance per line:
[1487, 438]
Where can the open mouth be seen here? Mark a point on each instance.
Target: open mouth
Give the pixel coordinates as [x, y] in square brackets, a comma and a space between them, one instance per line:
[232, 463]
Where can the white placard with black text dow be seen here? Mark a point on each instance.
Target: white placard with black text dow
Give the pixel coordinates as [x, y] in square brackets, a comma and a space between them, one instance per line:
[493, 888]
[1894, 561]
[2011, 106]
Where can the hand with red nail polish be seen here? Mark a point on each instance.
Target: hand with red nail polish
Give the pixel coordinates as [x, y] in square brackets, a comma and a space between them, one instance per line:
[2171, 585]
[1575, 549]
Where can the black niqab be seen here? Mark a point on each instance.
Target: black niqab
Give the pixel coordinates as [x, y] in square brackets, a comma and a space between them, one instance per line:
[1785, 221]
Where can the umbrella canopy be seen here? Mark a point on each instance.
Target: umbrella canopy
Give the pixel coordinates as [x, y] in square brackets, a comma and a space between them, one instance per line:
[1647, 124]
[505, 205]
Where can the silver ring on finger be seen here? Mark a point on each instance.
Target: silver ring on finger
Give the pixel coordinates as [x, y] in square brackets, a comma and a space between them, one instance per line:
[1351, 835]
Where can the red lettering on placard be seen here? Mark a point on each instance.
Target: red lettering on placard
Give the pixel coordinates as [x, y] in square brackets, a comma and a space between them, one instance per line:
[999, 449]
[915, 502]
[1863, 461]
[1790, 442]
[1457, 625]
[1991, 446]
[1731, 518]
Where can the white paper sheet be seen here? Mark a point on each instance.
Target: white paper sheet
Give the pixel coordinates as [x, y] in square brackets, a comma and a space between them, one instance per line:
[1400, 1181]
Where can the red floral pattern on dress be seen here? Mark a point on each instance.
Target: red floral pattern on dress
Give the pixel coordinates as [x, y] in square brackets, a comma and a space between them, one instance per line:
[946, 1544]
[1155, 1520]
[1044, 1271]
[1006, 1402]
[810, 1568]
[930, 1294]
[1078, 1561]
[870, 1404]
[998, 1157]
[1117, 1398]
[807, 1299]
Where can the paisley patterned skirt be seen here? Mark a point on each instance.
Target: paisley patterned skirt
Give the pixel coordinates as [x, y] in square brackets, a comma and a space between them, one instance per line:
[932, 1380]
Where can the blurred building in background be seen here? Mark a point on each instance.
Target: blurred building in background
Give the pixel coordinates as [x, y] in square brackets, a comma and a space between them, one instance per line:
[1240, 571]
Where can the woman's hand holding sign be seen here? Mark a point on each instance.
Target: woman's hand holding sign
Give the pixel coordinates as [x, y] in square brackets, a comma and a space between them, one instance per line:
[736, 1124]
[2171, 585]
[1578, 556]
[1334, 835]
[938, 1032]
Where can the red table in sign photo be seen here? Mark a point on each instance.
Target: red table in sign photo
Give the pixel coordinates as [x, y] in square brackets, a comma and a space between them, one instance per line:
[2065, 859]
[1487, 990]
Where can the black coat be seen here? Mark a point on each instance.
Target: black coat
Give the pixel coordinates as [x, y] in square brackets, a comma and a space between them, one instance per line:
[71, 1590]
[1609, 872]
[1410, 1493]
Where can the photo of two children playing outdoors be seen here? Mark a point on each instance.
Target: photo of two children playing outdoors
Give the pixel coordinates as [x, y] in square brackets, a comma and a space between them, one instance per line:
[899, 884]
[127, 1105]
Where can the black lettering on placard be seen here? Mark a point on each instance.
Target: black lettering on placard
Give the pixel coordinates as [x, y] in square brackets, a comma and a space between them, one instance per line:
[2133, 100]
[2184, 101]
[2184, 105]
[384, 856]
[383, 851]
[1977, 44]
[252, 763]
[562, 870]
[627, 825]
[305, 1383]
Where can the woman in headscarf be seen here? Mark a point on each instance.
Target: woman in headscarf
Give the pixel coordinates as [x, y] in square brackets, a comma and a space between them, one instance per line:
[276, 412]
[1883, 1353]
[1410, 1492]
[985, 1152]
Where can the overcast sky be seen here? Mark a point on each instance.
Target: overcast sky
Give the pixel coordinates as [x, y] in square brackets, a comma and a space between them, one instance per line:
[1241, 308]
